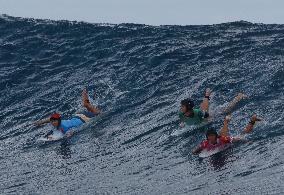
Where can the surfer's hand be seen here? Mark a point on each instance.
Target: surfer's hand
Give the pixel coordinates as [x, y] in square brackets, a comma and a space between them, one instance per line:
[255, 118]
[69, 134]
[195, 152]
[241, 96]
[182, 124]
[37, 123]
[228, 118]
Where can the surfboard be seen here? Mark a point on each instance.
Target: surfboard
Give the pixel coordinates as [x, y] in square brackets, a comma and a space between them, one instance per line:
[216, 150]
[56, 135]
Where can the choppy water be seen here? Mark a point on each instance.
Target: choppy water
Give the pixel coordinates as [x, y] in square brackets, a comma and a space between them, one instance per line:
[139, 73]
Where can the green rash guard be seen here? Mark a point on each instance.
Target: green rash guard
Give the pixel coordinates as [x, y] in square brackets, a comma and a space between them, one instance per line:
[196, 119]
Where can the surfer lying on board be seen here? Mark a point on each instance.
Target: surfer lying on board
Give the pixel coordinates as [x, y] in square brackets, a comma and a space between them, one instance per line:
[80, 118]
[193, 116]
[215, 141]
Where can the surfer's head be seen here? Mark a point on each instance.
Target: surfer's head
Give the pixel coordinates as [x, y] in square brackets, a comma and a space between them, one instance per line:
[212, 135]
[55, 119]
[186, 105]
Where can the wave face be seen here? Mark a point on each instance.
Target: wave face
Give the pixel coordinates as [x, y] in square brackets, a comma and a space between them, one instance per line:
[138, 74]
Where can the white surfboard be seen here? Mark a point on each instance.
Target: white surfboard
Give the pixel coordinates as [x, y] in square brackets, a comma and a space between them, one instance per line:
[57, 135]
[206, 153]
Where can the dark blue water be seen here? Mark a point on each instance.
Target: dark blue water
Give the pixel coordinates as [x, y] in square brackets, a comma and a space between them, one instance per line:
[138, 74]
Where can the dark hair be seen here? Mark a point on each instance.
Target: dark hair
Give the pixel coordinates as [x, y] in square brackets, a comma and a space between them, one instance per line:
[211, 131]
[59, 122]
[188, 103]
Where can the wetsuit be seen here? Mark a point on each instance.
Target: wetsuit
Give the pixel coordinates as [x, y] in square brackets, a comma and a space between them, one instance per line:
[197, 117]
[76, 121]
[222, 141]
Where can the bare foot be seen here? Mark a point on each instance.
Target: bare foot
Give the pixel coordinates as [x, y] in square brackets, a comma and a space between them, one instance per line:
[85, 98]
[208, 92]
[241, 96]
[255, 118]
[228, 118]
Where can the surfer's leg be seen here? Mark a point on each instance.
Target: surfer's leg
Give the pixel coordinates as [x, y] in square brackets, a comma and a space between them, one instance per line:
[249, 127]
[225, 129]
[86, 103]
[233, 103]
[205, 103]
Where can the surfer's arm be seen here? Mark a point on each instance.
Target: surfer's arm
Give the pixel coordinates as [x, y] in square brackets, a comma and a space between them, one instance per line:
[42, 122]
[203, 114]
[197, 150]
[182, 122]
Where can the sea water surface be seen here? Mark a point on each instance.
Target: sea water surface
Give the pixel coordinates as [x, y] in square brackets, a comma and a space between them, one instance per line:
[137, 75]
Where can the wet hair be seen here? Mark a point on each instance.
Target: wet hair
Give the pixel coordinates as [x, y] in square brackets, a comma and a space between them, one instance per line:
[188, 103]
[211, 131]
